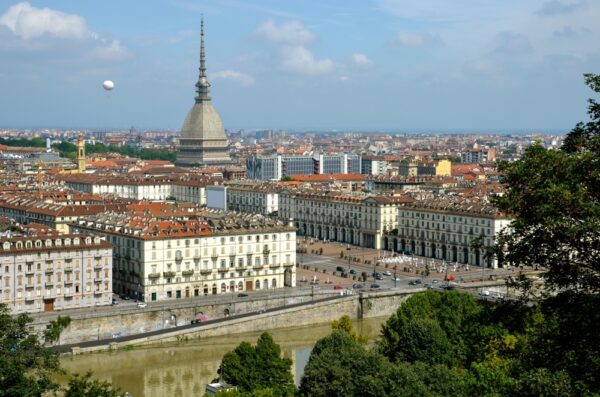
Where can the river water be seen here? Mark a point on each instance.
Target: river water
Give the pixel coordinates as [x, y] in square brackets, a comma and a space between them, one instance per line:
[184, 369]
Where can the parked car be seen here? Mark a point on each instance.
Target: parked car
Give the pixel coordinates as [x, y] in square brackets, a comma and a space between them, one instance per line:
[242, 295]
[358, 286]
[375, 286]
[115, 302]
[484, 292]
[141, 305]
[352, 271]
[338, 287]
[396, 279]
[378, 277]
[387, 273]
[417, 281]
[412, 282]
[340, 269]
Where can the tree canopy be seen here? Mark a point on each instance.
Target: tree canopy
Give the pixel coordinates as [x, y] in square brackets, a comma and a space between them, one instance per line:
[260, 367]
[554, 199]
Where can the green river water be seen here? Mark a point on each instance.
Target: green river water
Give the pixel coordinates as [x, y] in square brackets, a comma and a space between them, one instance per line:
[184, 369]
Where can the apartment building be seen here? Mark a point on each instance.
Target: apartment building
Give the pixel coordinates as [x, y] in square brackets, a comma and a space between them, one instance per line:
[357, 219]
[279, 166]
[445, 228]
[139, 187]
[478, 155]
[176, 258]
[425, 168]
[50, 272]
[253, 198]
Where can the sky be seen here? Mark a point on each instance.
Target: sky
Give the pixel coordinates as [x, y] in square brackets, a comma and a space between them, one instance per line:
[360, 65]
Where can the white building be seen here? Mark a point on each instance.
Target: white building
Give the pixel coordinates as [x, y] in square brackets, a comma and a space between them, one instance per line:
[55, 272]
[350, 218]
[160, 259]
[253, 198]
[446, 228]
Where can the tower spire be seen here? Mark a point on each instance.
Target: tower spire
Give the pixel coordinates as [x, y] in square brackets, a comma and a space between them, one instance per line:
[202, 86]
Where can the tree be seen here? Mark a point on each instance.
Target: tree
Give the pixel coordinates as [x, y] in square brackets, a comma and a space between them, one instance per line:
[454, 313]
[261, 367]
[84, 386]
[26, 366]
[345, 324]
[52, 333]
[340, 366]
[554, 199]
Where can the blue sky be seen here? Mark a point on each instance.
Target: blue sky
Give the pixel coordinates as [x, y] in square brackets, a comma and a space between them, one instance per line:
[397, 65]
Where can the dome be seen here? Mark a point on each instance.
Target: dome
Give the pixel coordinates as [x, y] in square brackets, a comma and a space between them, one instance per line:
[203, 122]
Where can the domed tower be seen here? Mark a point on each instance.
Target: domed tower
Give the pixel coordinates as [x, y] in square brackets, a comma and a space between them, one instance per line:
[203, 140]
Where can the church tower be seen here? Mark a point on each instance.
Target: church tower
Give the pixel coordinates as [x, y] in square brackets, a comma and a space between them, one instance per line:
[203, 141]
[80, 154]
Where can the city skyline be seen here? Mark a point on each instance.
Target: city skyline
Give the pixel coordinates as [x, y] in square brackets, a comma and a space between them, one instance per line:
[505, 66]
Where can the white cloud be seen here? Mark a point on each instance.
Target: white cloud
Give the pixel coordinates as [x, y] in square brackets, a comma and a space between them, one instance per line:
[416, 40]
[29, 22]
[242, 78]
[42, 29]
[292, 32]
[298, 59]
[361, 59]
[112, 51]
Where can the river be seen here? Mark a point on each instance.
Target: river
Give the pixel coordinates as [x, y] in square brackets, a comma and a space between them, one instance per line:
[184, 369]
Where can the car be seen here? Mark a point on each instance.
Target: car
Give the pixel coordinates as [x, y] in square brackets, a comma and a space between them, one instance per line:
[352, 271]
[484, 292]
[412, 282]
[449, 287]
[338, 287]
[199, 318]
[115, 302]
[396, 279]
[358, 286]
[375, 286]
[378, 277]
[387, 273]
[375, 274]
[242, 295]
[126, 297]
[141, 305]
[434, 281]
[417, 281]
[339, 269]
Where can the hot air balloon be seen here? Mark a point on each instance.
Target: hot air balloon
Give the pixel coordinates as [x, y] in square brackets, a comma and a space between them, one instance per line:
[108, 85]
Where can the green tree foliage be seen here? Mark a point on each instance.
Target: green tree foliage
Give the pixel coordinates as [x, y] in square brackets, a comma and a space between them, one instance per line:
[55, 328]
[24, 142]
[345, 324]
[69, 150]
[26, 366]
[432, 319]
[252, 368]
[554, 198]
[85, 386]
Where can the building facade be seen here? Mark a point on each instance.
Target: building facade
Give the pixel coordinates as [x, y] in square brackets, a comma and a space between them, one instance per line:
[478, 155]
[279, 166]
[446, 229]
[354, 219]
[157, 260]
[253, 198]
[55, 272]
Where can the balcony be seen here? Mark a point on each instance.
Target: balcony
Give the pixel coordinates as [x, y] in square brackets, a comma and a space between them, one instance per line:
[274, 265]
[223, 270]
[187, 273]
[288, 265]
[154, 275]
[29, 286]
[178, 258]
[97, 257]
[68, 282]
[196, 257]
[29, 298]
[257, 267]
[49, 270]
[68, 269]
[98, 266]
[97, 292]
[266, 251]
[68, 294]
[49, 284]
[68, 260]
[169, 274]
[240, 268]
[97, 280]
[30, 272]
[205, 272]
